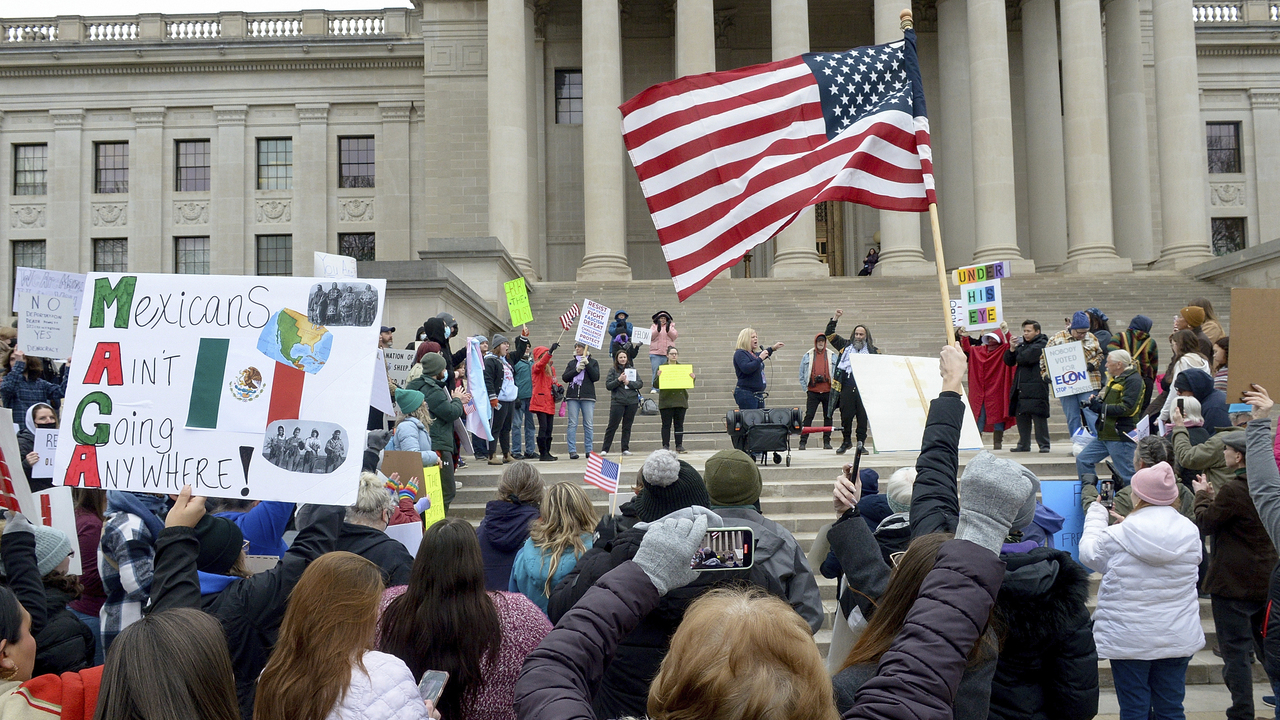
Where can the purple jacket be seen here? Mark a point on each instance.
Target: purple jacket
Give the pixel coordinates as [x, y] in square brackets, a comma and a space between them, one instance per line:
[918, 676]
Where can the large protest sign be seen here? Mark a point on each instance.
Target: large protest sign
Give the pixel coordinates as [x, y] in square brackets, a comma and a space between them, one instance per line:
[518, 302]
[46, 446]
[896, 391]
[399, 362]
[592, 324]
[68, 286]
[1068, 371]
[1063, 497]
[1254, 345]
[221, 383]
[334, 266]
[46, 325]
[984, 307]
[641, 336]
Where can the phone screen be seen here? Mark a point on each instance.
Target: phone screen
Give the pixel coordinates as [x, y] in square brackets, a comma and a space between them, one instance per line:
[1106, 493]
[725, 549]
[432, 685]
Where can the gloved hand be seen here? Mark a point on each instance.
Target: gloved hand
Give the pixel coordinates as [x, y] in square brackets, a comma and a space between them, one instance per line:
[16, 522]
[552, 349]
[667, 550]
[493, 403]
[993, 492]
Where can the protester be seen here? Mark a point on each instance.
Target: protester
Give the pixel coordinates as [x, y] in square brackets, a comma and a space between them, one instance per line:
[816, 368]
[1239, 569]
[1221, 354]
[543, 402]
[446, 620]
[580, 375]
[1204, 453]
[560, 535]
[1186, 356]
[1099, 327]
[1264, 489]
[445, 409]
[1116, 406]
[500, 381]
[324, 664]
[523, 427]
[748, 366]
[672, 404]
[386, 337]
[91, 505]
[26, 386]
[364, 530]
[1148, 452]
[662, 335]
[625, 518]
[624, 400]
[1137, 341]
[263, 524]
[411, 431]
[1147, 621]
[1029, 398]
[621, 343]
[990, 382]
[848, 399]
[620, 325]
[1211, 327]
[42, 416]
[64, 643]
[733, 482]
[1072, 405]
[506, 521]
[1192, 318]
[1213, 403]
[125, 557]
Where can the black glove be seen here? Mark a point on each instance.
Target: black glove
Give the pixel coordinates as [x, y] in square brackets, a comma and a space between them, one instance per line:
[1095, 404]
[1091, 367]
[552, 350]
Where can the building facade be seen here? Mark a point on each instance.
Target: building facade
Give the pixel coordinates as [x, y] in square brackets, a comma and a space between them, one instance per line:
[1066, 136]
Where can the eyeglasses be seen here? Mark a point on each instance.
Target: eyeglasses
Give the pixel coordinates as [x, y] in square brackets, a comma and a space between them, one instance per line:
[895, 558]
[245, 548]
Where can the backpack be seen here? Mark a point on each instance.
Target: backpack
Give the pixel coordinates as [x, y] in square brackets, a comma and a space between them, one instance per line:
[648, 406]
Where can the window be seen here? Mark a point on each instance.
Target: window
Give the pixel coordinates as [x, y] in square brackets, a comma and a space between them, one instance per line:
[568, 97]
[275, 254]
[111, 163]
[111, 255]
[357, 245]
[191, 255]
[30, 169]
[1228, 235]
[275, 164]
[192, 173]
[355, 162]
[1224, 147]
[28, 254]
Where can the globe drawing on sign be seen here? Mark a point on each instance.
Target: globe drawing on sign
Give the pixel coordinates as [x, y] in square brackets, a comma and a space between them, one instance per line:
[289, 337]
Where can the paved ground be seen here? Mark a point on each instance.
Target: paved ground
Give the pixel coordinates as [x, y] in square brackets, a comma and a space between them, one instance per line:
[1203, 702]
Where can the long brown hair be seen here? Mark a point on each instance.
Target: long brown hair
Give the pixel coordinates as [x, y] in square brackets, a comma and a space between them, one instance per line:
[567, 514]
[93, 500]
[445, 620]
[329, 624]
[1185, 342]
[172, 664]
[892, 608]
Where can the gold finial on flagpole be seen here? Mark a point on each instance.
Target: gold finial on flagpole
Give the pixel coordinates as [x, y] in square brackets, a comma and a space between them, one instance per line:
[904, 20]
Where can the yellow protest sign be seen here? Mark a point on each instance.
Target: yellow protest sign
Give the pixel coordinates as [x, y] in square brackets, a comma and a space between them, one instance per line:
[518, 302]
[675, 377]
[432, 489]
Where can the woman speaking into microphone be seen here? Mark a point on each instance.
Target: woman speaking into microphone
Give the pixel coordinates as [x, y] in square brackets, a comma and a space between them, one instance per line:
[748, 364]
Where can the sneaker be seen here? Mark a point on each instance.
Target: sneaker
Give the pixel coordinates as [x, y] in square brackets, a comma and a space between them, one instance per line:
[680, 449]
[801, 446]
[461, 464]
[1044, 450]
[626, 452]
[531, 456]
[1269, 700]
[573, 456]
[653, 391]
[603, 453]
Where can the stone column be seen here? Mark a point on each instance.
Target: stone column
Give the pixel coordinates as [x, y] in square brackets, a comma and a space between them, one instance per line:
[1184, 172]
[1127, 108]
[1090, 245]
[310, 188]
[1046, 176]
[952, 142]
[509, 131]
[900, 252]
[1266, 161]
[392, 191]
[695, 37]
[797, 251]
[146, 234]
[604, 212]
[230, 244]
[65, 213]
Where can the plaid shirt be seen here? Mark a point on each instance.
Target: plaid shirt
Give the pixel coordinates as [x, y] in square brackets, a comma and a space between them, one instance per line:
[125, 565]
[1142, 347]
[1092, 355]
[19, 393]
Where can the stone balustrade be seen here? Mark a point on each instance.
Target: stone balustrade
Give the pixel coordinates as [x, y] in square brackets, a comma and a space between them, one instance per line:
[1235, 12]
[309, 24]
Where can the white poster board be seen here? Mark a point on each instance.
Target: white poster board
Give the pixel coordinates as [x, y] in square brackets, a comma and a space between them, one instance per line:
[69, 286]
[592, 324]
[223, 383]
[15, 492]
[46, 446]
[408, 534]
[957, 313]
[380, 391]
[399, 362]
[58, 511]
[46, 325]
[641, 336]
[896, 391]
[334, 266]
[1068, 371]
[983, 305]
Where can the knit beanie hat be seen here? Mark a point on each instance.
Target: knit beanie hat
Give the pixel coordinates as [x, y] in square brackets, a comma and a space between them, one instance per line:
[670, 484]
[897, 489]
[986, 464]
[870, 481]
[1156, 484]
[481, 339]
[733, 478]
[52, 547]
[498, 339]
[432, 364]
[409, 400]
[1141, 323]
[1079, 320]
[1193, 315]
[220, 544]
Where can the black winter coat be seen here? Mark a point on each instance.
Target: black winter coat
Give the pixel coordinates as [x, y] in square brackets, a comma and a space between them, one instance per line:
[624, 687]
[1030, 395]
[250, 609]
[591, 375]
[389, 554]
[65, 644]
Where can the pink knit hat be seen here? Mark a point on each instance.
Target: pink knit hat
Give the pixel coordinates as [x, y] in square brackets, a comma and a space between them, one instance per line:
[1156, 484]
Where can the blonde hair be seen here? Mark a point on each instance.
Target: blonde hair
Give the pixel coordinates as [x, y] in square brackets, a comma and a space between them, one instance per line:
[1191, 410]
[742, 654]
[423, 414]
[372, 498]
[744, 339]
[566, 515]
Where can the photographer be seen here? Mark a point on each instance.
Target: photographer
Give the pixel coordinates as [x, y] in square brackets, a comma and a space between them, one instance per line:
[815, 376]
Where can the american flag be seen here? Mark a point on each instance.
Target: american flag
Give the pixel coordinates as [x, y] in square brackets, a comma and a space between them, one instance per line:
[566, 320]
[602, 473]
[728, 159]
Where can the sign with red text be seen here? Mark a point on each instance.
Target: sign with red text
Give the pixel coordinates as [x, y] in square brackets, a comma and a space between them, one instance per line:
[592, 324]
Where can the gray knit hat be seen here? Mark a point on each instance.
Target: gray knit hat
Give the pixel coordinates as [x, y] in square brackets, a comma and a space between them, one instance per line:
[498, 339]
[987, 464]
[52, 547]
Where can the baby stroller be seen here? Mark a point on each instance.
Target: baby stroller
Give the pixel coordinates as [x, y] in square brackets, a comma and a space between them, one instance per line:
[762, 431]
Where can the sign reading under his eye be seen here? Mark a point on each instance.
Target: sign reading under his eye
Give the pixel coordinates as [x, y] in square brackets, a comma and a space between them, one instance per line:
[983, 306]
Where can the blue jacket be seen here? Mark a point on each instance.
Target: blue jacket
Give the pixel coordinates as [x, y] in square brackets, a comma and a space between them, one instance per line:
[524, 379]
[502, 533]
[412, 436]
[750, 370]
[529, 570]
[616, 328]
[263, 526]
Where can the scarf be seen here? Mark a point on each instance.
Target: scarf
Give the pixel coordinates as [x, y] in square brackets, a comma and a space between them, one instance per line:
[147, 507]
[582, 374]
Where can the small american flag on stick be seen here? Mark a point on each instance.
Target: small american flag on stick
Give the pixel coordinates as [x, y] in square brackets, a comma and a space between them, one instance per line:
[566, 320]
[602, 473]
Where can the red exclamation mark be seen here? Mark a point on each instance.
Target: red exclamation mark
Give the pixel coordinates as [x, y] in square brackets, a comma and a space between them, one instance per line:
[46, 510]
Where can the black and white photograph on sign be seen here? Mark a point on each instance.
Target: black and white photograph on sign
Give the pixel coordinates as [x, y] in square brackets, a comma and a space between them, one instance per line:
[304, 446]
[342, 304]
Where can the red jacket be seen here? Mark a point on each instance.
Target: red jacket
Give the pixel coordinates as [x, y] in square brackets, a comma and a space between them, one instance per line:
[990, 381]
[69, 696]
[544, 377]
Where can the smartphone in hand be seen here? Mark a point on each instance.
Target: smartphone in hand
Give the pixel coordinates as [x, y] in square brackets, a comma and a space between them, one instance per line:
[431, 686]
[725, 549]
[1106, 494]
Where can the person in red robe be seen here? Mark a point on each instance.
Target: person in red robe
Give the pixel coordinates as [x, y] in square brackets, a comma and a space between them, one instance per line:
[990, 381]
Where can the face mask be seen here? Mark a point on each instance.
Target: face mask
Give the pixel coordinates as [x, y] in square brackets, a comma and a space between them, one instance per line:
[448, 333]
[422, 336]
[47, 425]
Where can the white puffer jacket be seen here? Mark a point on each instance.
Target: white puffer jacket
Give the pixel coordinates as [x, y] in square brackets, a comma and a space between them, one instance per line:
[1148, 608]
[386, 692]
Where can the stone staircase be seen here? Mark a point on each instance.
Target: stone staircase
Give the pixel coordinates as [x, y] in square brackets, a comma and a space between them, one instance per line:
[904, 315]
